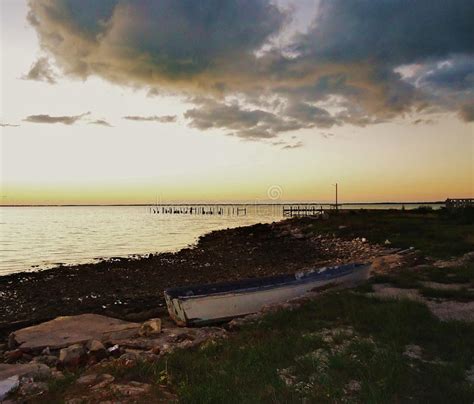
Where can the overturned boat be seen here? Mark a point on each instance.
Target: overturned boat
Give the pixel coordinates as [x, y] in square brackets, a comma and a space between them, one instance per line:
[203, 304]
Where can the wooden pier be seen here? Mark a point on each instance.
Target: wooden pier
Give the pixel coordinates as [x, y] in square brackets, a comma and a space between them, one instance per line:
[459, 203]
[219, 210]
[302, 210]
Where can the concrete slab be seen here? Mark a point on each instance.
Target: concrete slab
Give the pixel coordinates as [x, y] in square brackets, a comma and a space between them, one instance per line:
[65, 331]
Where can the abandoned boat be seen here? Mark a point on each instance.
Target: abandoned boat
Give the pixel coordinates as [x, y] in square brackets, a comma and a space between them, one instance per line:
[203, 304]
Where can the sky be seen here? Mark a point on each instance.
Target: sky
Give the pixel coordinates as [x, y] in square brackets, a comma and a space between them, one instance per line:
[121, 101]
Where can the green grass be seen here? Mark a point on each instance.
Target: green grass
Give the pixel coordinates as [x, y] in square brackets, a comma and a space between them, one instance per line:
[461, 295]
[245, 367]
[250, 365]
[436, 233]
[56, 389]
[459, 274]
[410, 278]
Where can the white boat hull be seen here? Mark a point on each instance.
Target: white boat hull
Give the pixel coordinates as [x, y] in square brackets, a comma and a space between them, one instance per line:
[223, 306]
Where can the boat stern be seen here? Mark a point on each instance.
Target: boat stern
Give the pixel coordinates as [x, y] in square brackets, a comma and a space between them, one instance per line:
[176, 310]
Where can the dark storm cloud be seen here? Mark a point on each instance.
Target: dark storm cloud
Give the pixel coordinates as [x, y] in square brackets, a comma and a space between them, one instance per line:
[151, 42]
[389, 32]
[161, 119]
[345, 69]
[65, 120]
[41, 71]
[453, 74]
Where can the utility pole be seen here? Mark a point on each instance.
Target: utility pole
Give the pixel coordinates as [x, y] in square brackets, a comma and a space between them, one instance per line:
[337, 206]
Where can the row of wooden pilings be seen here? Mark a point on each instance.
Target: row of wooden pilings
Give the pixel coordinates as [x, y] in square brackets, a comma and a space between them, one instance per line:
[304, 210]
[198, 210]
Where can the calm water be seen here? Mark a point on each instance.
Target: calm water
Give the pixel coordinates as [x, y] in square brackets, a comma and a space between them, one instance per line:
[33, 238]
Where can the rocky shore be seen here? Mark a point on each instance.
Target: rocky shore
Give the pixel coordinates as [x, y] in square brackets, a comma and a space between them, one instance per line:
[132, 289]
[100, 332]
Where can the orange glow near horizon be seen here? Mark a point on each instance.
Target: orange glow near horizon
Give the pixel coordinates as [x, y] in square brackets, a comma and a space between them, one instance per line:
[414, 156]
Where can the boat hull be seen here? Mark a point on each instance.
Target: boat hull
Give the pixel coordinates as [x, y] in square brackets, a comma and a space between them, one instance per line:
[216, 307]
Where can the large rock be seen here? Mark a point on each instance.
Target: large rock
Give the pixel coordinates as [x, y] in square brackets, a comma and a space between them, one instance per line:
[150, 327]
[65, 331]
[96, 350]
[72, 356]
[8, 385]
[33, 370]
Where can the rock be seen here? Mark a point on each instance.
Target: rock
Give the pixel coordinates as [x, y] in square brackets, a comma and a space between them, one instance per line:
[34, 370]
[29, 387]
[72, 356]
[76, 400]
[413, 351]
[11, 342]
[131, 389]
[148, 357]
[150, 327]
[41, 372]
[87, 379]
[130, 356]
[65, 331]
[470, 375]
[97, 350]
[57, 374]
[95, 345]
[143, 315]
[8, 385]
[13, 356]
[103, 381]
[353, 386]
[49, 360]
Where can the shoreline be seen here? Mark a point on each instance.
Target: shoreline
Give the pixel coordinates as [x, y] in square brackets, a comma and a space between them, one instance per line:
[132, 289]
[36, 261]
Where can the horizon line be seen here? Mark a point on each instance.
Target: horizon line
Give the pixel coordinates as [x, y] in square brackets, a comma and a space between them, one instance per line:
[224, 204]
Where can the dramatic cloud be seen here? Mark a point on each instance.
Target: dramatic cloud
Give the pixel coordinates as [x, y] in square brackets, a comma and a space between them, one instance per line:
[312, 115]
[152, 42]
[41, 71]
[360, 62]
[65, 120]
[389, 32]
[161, 119]
[249, 124]
[467, 112]
[100, 122]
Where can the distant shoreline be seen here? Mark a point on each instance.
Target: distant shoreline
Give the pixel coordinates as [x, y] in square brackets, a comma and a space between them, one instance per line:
[225, 204]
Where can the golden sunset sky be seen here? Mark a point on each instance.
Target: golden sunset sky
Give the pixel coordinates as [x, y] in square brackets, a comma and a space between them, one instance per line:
[126, 102]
